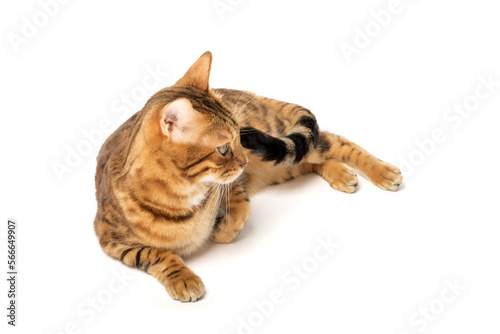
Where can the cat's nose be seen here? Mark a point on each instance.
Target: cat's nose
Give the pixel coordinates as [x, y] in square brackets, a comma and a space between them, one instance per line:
[243, 164]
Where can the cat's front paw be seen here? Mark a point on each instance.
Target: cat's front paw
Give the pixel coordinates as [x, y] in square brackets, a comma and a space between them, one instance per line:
[223, 234]
[385, 176]
[185, 286]
[229, 225]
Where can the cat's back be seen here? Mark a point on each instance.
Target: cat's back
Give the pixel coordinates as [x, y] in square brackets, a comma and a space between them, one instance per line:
[111, 145]
[256, 111]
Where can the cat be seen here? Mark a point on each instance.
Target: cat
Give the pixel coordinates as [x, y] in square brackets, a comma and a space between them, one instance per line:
[181, 171]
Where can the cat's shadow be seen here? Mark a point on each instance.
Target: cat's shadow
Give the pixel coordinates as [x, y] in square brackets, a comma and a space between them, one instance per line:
[257, 222]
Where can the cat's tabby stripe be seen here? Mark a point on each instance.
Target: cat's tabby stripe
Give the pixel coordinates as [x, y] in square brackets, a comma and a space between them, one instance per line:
[288, 150]
[138, 257]
[125, 252]
[192, 164]
[263, 145]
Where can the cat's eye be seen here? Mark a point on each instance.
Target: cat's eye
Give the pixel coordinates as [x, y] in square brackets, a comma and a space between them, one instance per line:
[223, 149]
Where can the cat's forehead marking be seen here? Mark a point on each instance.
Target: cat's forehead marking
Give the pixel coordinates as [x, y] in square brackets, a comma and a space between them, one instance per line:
[223, 137]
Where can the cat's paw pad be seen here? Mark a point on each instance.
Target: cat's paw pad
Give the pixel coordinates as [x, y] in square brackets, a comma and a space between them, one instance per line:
[386, 176]
[186, 287]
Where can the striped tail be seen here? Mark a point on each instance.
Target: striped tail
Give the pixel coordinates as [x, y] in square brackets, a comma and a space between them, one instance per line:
[288, 150]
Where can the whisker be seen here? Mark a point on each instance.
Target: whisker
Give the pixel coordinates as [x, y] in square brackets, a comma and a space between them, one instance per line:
[251, 109]
[185, 179]
[225, 204]
[216, 186]
[229, 202]
[250, 99]
[234, 109]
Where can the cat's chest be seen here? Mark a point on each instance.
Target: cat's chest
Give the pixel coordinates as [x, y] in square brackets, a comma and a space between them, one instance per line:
[198, 230]
[197, 199]
[202, 195]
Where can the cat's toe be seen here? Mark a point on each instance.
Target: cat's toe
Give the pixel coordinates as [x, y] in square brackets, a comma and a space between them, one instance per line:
[339, 175]
[386, 176]
[186, 288]
[346, 180]
[223, 236]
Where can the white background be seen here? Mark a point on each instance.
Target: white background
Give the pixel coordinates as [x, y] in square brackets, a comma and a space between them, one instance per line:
[397, 250]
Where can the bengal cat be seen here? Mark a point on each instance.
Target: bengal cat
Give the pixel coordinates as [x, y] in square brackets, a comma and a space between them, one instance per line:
[182, 170]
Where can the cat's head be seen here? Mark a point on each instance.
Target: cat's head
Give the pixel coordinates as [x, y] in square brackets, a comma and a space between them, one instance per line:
[195, 131]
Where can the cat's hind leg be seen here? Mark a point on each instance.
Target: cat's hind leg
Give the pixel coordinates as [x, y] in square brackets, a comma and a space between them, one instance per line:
[338, 151]
[338, 174]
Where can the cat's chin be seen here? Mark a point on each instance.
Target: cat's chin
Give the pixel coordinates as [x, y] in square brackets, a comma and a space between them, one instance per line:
[222, 179]
[232, 177]
[229, 181]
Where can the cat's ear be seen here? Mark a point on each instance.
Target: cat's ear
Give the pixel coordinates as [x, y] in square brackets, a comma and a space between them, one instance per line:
[179, 121]
[199, 73]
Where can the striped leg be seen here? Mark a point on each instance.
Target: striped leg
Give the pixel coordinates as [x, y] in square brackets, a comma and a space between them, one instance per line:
[340, 176]
[165, 265]
[235, 213]
[381, 174]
